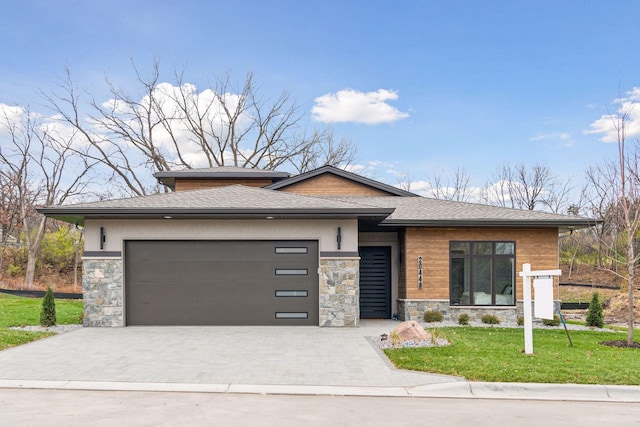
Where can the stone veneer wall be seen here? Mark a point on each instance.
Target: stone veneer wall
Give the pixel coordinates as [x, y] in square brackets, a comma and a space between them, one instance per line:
[339, 291]
[414, 310]
[102, 286]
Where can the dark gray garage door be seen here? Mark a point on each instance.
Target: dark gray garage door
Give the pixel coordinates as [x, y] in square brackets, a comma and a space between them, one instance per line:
[221, 282]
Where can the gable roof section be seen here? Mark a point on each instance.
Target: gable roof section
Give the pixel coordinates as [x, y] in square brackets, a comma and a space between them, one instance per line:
[234, 201]
[392, 191]
[423, 211]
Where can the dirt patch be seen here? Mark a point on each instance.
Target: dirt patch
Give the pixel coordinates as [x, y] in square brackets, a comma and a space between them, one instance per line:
[616, 309]
[57, 284]
[583, 294]
[586, 274]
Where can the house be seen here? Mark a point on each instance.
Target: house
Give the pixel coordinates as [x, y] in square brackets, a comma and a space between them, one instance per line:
[233, 246]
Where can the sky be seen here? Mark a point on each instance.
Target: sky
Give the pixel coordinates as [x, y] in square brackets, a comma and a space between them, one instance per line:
[421, 87]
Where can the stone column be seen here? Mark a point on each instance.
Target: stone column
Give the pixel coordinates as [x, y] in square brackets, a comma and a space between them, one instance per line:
[102, 288]
[339, 291]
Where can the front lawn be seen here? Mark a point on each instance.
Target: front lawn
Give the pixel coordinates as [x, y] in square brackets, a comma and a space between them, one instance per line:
[496, 354]
[20, 311]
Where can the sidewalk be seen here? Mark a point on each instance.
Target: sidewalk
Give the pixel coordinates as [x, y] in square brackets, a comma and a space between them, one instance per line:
[459, 390]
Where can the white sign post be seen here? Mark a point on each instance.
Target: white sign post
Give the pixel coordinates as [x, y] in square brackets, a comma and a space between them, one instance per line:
[544, 300]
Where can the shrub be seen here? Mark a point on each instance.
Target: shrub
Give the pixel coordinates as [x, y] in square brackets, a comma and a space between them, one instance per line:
[490, 319]
[552, 322]
[435, 334]
[463, 319]
[14, 270]
[58, 250]
[48, 313]
[520, 321]
[595, 316]
[395, 338]
[431, 316]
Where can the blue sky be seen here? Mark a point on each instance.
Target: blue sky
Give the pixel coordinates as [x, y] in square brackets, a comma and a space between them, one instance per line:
[422, 87]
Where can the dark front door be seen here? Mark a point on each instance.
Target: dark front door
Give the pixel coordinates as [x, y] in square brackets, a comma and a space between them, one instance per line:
[375, 282]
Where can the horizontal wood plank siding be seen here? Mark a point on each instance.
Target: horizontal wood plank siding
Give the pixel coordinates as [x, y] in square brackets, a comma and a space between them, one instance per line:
[199, 184]
[331, 185]
[539, 247]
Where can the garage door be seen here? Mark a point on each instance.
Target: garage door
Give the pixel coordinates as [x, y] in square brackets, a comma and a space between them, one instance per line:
[221, 282]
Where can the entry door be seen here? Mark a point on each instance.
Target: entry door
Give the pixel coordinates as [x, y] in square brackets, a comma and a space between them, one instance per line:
[375, 282]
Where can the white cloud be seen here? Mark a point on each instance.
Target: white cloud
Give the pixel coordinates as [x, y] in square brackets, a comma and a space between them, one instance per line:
[350, 105]
[11, 117]
[562, 136]
[421, 187]
[608, 124]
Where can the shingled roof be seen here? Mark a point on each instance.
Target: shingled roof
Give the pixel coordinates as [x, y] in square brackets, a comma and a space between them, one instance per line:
[234, 201]
[423, 211]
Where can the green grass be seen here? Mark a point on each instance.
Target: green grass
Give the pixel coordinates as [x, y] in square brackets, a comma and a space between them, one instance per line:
[496, 354]
[19, 311]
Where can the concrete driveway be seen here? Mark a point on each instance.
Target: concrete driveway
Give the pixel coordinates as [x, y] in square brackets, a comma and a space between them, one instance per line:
[301, 356]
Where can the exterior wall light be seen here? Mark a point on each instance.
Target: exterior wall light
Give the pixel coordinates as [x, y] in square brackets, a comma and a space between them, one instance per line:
[103, 238]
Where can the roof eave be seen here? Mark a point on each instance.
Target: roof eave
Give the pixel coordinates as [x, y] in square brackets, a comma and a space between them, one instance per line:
[77, 216]
[568, 225]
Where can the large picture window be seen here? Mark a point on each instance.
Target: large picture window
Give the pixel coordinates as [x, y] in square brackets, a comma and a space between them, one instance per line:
[482, 273]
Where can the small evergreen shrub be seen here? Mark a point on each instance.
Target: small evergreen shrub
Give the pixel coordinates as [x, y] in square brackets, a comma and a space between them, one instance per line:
[520, 321]
[48, 313]
[595, 316]
[463, 319]
[431, 316]
[552, 322]
[490, 319]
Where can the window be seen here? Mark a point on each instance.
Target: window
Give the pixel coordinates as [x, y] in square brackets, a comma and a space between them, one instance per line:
[289, 315]
[291, 250]
[291, 271]
[292, 293]
[482, 273]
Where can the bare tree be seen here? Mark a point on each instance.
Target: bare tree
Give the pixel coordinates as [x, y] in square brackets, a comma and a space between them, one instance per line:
[620, 189]
[601, 204]
[404, 181]
[526, 188]
[320, 149]
[41, 167]
[10, 219]
[175, 125]
[452, 188]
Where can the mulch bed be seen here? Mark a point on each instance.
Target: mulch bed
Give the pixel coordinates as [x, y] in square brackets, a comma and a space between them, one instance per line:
[621, 344]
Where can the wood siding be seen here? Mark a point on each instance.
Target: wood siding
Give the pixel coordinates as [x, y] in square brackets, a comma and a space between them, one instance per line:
[199, 184]
[331, 185]
[539, 247]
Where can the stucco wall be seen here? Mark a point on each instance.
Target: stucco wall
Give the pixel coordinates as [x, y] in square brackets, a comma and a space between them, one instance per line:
[116, 231]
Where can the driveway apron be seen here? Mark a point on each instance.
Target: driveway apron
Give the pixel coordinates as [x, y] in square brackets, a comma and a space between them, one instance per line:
[214, 355]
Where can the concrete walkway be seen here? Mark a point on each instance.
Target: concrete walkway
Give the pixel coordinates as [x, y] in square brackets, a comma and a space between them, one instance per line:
[275, 360]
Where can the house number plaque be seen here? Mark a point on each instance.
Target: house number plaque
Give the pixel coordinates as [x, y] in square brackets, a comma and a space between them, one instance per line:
[419, 272]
